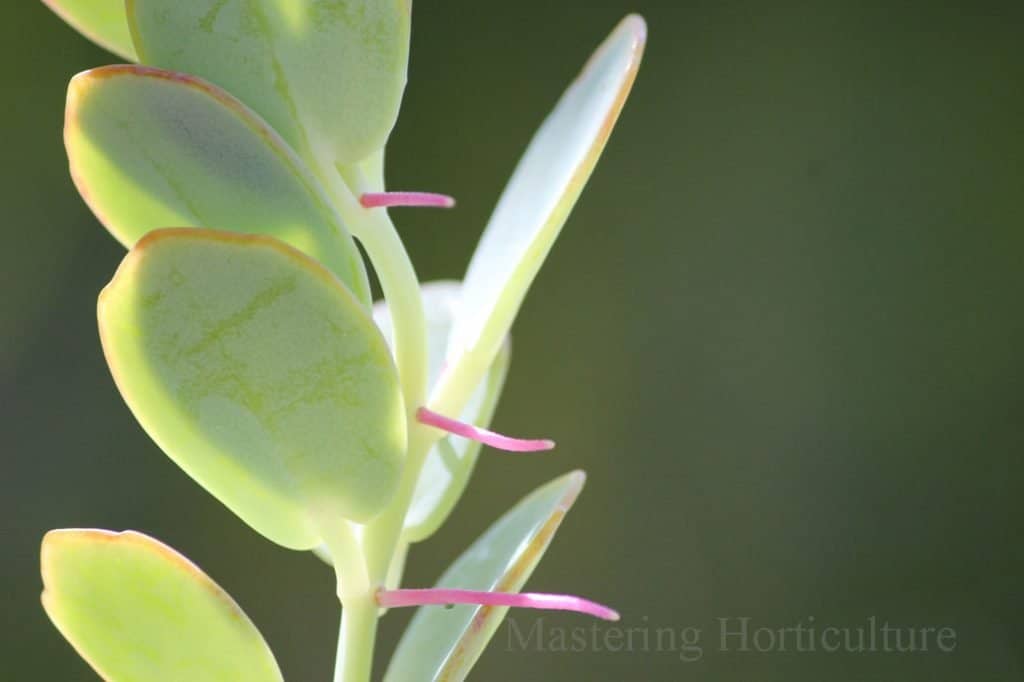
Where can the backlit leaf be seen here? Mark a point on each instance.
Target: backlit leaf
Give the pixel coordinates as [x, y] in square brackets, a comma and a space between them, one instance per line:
[444, 643]
[135, 609]
[151, 148]
[327, 75]
[101, 21]
[536, 203]
[260, 375]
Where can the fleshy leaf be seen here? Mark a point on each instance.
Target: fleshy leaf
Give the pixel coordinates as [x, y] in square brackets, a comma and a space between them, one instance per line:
[135, 609]
[260, 375]
[445, 643]
[447, 467]
[151, 148]
[328, 76]
[101, 21]
[538, 200]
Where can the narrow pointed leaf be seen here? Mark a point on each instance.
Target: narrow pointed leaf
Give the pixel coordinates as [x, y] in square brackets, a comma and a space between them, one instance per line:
[328, 76]
[135, 609]
[151, 148]
[444, 643]
[101, 21]
[260, 375]
[538, 200]
[449, 464]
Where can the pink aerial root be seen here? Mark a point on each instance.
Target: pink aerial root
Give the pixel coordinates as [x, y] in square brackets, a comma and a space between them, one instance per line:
[528, 600]
[420, 199]
[495, 440]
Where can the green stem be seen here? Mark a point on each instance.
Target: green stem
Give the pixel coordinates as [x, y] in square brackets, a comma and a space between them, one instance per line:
[382, 534]
[346, 554]
[381, 537]
[354, 661]
[390, 260]
[356, 593]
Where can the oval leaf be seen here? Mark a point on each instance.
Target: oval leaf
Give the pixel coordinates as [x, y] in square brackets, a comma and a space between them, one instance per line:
[444, 643]
[135, 609]
[538, 199]
[328, 76]
[101, 21]
[151, 148]
[260, 375]
[450, 462]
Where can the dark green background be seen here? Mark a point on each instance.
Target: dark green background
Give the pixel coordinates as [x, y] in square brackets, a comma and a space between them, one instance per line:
[782, 332]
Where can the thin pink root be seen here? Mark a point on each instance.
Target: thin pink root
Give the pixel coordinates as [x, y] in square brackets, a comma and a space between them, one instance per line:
[495, 440]
[423, 199]
[528, 600]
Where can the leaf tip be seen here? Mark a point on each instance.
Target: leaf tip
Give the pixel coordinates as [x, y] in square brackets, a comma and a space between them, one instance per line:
[576, 480]
[637, 25]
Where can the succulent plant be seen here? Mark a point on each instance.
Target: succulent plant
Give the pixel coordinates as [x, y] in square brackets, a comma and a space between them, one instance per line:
[238, 162]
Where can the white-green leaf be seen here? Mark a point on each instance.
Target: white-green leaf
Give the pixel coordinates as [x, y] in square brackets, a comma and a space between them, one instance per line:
[258, 373]
[444, 643]
[327, 75]
[440, 305]
[151, 148]
[101, 21]
[136, 610]
[535, 205]
[448, 466]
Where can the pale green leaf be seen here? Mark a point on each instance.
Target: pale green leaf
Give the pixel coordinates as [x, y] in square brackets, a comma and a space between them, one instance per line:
[537, 202]
[328, 76]
[440, 302]
[260, 375]
[101, 21]
[444, 643]
[447, 467]
[135, 609]
[151, 148]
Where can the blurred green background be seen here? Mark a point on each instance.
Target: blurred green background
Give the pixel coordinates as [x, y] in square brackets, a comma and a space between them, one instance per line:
[782, 332]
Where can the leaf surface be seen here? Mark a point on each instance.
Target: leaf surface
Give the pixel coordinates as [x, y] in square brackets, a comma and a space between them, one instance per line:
[102, 21]
[327, 75]
[135, 609]
[151, 148]
[444, 643]
[260, 375]
[537, 201]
